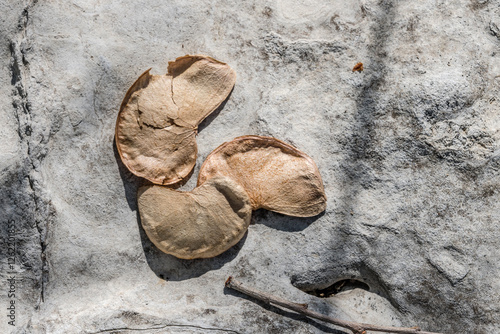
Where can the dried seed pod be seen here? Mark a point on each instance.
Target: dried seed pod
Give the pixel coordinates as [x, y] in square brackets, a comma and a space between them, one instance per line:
[275, 175]
[198, 224]
[160, 114]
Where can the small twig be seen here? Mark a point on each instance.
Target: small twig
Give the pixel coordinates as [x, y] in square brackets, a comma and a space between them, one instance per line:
[356, 328]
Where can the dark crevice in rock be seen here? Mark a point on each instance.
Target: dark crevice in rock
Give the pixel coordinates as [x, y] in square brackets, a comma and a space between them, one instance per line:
[330, 281]
[338, 287]
[23, 113]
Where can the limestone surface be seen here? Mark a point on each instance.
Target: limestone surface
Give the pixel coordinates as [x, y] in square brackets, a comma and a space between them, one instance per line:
[408, 150]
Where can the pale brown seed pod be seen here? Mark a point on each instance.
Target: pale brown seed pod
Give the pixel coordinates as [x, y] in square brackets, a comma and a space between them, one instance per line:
[159, 117]
[201, 223]
[275, 175]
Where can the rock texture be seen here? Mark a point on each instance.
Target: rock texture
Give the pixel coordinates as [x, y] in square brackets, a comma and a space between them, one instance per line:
[408, 149]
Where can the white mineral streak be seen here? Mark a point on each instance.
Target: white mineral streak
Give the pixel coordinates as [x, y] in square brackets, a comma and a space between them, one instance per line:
[408, 149]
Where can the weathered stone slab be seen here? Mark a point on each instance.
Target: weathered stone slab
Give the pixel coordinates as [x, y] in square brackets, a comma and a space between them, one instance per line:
[408, 149]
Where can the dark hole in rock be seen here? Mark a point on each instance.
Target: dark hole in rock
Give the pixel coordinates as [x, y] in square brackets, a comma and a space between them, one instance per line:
[340, 286]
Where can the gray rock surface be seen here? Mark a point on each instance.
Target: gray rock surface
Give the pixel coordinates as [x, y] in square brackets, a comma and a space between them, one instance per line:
[409, 151]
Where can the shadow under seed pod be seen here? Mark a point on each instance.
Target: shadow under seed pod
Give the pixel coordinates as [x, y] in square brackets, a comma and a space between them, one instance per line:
[282, 222]
[130, 182]
[169, 268]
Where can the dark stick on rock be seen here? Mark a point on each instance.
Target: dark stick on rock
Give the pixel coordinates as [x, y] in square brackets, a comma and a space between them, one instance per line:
[356, 328]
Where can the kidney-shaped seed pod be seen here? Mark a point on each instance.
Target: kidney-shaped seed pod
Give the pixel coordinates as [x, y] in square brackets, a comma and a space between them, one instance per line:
[160, 114]
[275, 175]
[198, 224]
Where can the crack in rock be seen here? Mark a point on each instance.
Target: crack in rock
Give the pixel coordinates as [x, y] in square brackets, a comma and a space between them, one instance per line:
[205, 329]
[27, 128]
[300, 50]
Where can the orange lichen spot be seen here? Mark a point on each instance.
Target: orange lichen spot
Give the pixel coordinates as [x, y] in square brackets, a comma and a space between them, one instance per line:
[358, 67]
